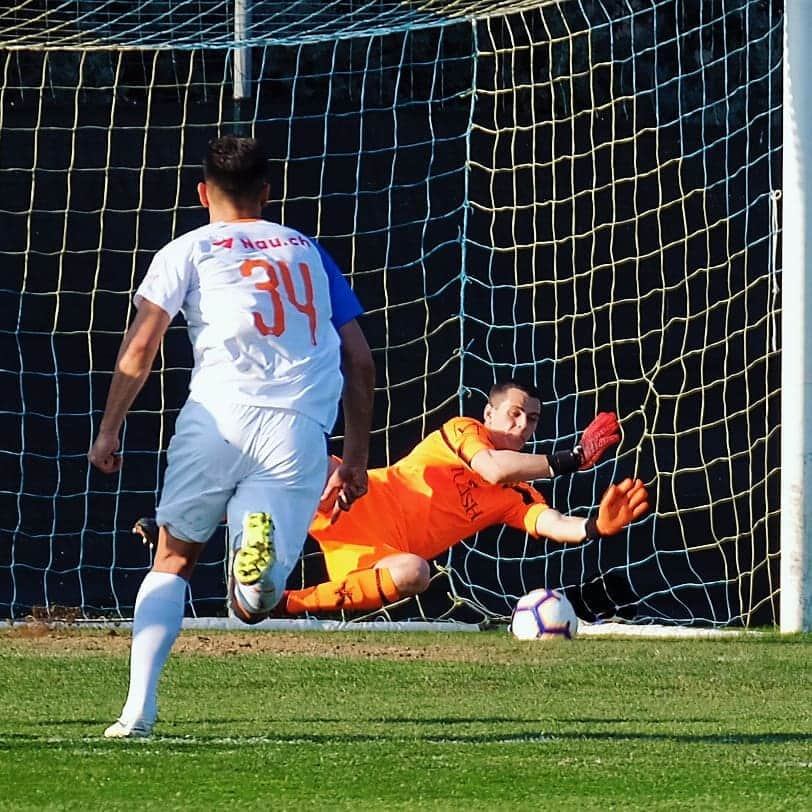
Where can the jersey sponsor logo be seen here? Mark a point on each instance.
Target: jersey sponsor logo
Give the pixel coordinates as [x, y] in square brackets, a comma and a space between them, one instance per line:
[270, 242]
[274, 271]
[466, 488]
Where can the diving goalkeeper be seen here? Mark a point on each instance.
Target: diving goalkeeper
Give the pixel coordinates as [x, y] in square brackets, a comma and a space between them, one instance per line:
[463, 478]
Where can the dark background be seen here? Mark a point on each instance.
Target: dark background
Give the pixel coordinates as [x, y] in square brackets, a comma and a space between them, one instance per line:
[578, 195]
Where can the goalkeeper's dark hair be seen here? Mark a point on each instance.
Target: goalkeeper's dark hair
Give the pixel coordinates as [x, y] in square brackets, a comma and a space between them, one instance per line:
[237, 166]
[501, 388]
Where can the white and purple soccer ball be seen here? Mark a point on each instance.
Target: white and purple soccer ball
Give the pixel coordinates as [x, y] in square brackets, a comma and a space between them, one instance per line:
[544, 614]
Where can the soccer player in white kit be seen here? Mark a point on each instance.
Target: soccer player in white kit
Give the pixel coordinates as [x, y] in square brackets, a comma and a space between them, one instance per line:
[276, 343]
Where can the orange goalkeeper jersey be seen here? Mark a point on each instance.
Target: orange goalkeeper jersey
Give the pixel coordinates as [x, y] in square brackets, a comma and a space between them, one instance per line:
[432, 498]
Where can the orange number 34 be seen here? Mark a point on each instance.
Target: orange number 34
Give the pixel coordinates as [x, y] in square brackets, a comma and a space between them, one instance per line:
[271, 285]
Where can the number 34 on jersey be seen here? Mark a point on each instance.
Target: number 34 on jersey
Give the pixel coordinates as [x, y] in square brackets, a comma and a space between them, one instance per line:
[275, 278]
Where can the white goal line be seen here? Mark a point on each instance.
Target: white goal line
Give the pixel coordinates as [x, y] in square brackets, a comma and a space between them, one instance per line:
[604, 629]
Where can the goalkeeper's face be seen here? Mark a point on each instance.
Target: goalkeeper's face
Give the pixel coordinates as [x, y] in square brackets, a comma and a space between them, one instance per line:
[511, 418]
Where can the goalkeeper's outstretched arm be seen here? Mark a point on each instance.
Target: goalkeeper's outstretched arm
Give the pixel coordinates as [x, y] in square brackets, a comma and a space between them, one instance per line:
[500, 466]
[620, 505]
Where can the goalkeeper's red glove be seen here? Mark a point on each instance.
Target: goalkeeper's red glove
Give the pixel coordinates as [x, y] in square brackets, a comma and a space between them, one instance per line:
[620, 505]
[602, 433]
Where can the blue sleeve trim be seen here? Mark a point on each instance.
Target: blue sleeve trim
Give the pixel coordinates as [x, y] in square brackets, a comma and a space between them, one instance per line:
[345, 304]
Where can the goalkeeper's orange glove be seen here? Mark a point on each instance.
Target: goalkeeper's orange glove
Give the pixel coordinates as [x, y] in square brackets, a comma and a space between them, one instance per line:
[620, 505]
[602, 433]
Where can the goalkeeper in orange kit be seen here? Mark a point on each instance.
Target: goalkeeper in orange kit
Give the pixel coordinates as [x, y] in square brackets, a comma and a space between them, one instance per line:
[463, 478]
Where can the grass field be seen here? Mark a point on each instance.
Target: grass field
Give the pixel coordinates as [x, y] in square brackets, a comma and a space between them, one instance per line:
[379, 721]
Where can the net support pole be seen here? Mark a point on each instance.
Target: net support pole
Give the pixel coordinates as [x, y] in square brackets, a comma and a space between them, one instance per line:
[242, 61]
[796, 322]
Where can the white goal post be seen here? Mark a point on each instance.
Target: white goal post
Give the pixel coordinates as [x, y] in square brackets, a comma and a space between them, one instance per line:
[582, 193]
[796, 365]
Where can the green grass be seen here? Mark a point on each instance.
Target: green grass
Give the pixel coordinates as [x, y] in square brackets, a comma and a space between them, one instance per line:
[374, 721]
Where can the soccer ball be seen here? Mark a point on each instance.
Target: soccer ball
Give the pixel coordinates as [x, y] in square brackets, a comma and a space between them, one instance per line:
[544, 614]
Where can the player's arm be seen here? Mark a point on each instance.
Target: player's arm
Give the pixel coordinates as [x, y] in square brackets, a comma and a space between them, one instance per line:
[620, 505]
[133, 365]
[500, 466]
[358, 369]
[349, 480]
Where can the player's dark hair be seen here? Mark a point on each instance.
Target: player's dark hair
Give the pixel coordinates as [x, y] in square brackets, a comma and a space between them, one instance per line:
[502, 387]
[236, 165]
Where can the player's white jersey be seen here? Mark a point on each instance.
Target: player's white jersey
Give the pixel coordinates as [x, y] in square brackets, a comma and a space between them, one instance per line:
[256, 299]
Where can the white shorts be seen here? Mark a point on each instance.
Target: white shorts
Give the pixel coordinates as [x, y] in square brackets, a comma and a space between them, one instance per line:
[234, 459]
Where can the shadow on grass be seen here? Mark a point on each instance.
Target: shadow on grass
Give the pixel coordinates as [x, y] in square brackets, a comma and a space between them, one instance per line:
[549, 730]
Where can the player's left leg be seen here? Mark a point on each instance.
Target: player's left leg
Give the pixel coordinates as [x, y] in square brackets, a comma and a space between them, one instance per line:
[156, 623]
[198, 483]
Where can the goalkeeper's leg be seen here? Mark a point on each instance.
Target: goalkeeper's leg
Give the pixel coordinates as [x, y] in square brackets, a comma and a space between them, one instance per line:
[393, 577]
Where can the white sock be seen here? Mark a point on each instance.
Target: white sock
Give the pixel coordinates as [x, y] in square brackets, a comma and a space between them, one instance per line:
[259, 597]
[156, 624]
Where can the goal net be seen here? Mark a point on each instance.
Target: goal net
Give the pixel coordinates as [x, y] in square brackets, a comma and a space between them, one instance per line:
[580, 193]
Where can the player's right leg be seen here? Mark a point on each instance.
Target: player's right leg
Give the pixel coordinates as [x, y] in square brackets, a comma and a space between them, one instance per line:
[257, 551]
[270, 511]
[251, 562]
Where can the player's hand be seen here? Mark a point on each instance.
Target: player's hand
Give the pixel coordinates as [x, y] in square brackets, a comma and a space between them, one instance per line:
[104, 453]
[345, 484]
[621, 505]
[602, 433]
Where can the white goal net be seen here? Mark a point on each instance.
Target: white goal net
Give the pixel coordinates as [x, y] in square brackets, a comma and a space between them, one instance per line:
[582, 193]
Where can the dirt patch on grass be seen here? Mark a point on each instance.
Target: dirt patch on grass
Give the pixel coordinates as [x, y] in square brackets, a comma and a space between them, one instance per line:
[317, 644]
[66, 640]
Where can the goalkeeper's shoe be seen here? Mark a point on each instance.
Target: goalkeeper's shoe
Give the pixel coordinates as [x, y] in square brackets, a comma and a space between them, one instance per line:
[147, 529]
[137, 729]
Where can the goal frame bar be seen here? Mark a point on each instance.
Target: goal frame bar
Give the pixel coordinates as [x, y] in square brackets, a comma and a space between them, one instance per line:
[796, 324]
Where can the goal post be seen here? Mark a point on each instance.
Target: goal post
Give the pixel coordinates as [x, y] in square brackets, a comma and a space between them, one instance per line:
[582, 193]
[796, 370]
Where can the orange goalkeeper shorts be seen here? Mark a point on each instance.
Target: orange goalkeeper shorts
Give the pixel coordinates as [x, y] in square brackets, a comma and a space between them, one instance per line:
[342, 559]
[352, 542]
